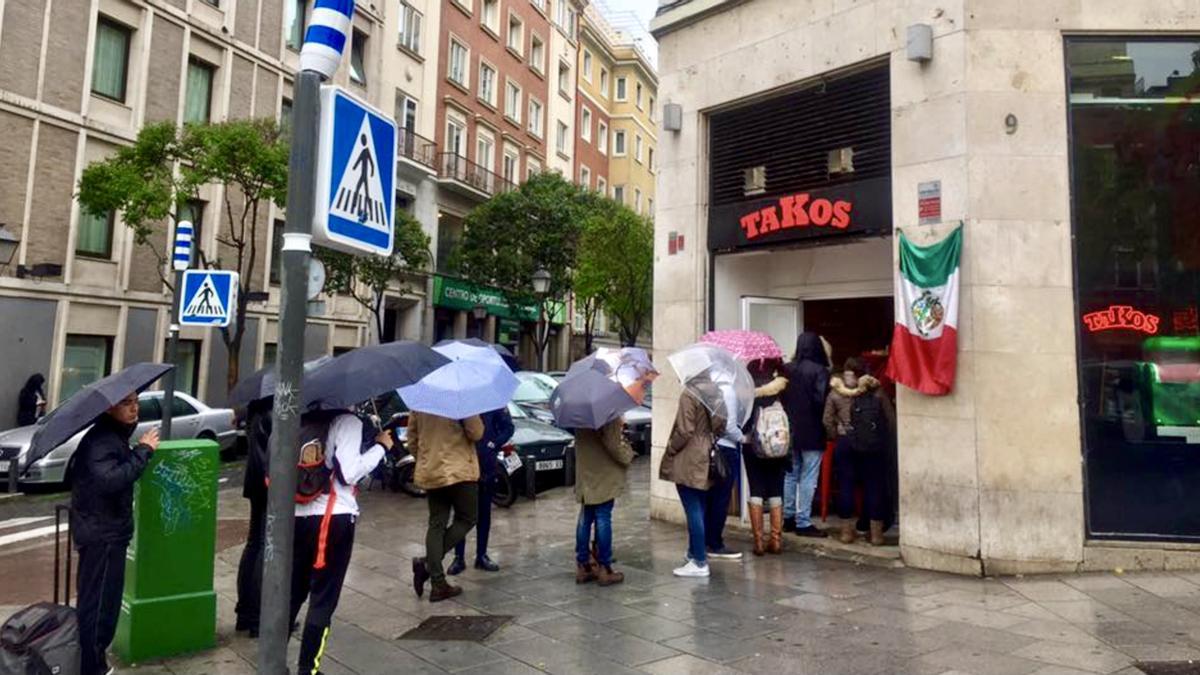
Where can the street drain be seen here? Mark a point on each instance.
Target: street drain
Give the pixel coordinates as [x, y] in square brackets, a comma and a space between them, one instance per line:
[464, 628]
[1170, 668]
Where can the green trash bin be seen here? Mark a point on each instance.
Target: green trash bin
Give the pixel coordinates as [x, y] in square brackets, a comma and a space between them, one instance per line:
[169, 606]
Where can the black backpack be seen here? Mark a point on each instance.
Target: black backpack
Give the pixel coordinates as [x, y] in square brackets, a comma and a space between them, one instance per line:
[42, 639]
[868, 425]
[314, 468]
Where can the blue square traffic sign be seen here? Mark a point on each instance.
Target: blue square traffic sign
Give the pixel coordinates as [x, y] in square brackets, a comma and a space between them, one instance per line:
[208, 298]
[356, 169]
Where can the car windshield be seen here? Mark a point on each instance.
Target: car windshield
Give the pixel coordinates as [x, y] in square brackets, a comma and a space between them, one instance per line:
[533, 389]
[516, 412]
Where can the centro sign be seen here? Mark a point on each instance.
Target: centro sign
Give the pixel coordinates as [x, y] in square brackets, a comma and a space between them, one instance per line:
[799, 210]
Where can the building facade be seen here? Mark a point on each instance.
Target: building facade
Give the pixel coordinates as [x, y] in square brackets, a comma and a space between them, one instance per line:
[1063, 140]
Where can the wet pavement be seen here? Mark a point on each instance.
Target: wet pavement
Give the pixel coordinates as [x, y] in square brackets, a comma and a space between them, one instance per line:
[796, 613]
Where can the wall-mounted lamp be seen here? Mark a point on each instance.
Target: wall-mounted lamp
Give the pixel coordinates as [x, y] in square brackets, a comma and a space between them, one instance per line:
[920, 43]
[672, 119]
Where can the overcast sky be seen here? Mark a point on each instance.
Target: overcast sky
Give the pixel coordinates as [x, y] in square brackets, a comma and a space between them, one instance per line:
[643, 8]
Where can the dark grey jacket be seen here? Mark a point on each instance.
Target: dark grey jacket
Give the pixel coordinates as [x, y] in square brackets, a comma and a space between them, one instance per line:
[102, 476]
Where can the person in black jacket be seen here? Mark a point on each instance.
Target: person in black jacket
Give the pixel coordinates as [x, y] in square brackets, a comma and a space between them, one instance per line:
[31, 401]
[102, 476]
[804, 400]
[254, 489]
[497, 430]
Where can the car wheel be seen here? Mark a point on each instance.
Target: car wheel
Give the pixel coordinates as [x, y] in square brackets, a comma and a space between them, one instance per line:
[503, 494]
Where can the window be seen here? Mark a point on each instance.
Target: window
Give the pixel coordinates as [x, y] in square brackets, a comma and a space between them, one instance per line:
[638, 96]
[637, 200]
[485, 150]
[512, 102]
[296, 17]
[560, 138]
[410, 28]
[516, 34]
[94, 238]
[651, 111]
[650, 206]
[585, 177]
[456, 137]
[511, 160]
[602, 138]
[491, 16]
[197, 106]
[587, 65]
[637, 147]
[406, 111]
[622, 89]
[537, 54]
[358, 58]
[601, 185]
[86, 358]
[276, 253]
[149, 408]
[459, 58]
[285, 115]
[532, 168]
[585, 124]
[487, 84]
[111, 56]
[187, 374]
[180, 407]
[536, 126]
[619, 193]
[604, 82]
[214, 3]
[650, 158]
[564, 79]
[193, 212]
[540, 4]
[270, 351]
[619, 142]
[467, 6]
[566, 18]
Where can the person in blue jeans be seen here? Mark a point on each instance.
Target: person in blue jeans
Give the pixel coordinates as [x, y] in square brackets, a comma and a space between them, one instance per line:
[804, 400]
[497, 430]
[602, 458]
[685, 462]
[717, 498]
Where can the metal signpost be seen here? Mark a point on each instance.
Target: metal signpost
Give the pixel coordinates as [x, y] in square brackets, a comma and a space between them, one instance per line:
[181, 259]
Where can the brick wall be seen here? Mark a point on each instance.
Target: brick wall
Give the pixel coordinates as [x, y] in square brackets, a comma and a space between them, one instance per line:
[587, 153]
[17, 133]
[246, 21]
[53, 187]
[241, 88]
[65, 55]
[21, 46]
[162, 82]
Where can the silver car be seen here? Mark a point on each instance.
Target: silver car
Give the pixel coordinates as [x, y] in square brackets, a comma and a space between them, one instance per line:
[191, 419]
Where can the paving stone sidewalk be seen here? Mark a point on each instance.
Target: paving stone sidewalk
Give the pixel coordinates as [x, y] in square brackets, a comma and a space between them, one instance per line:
[796, 613]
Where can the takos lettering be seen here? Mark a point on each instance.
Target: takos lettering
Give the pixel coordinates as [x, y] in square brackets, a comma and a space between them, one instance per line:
[1121, 316]
[799, 210]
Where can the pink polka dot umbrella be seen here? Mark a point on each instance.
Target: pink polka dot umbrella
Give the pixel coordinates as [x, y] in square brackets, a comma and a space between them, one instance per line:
[746, 345]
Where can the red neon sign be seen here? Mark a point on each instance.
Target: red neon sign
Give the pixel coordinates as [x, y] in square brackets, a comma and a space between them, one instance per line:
[1118, 317]
[798, 210]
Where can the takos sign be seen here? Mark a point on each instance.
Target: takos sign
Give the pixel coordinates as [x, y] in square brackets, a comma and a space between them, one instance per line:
[859, 208]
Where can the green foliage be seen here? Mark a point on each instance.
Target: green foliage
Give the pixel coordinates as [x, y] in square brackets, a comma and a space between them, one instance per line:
[615, 268]
[367, 278]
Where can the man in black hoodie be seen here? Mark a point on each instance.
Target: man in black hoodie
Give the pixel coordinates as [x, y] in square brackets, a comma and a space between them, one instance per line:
[102, 477]
[254, 489]
[804, 400]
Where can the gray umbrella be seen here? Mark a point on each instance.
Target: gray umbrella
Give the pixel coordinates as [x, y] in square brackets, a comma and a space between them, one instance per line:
[261, 384]
[89, 403]
[587, 399]
[368, 372]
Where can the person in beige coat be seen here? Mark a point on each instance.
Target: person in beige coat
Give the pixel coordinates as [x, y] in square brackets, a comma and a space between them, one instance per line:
[685, 463]
[602, 457]
[448, 470]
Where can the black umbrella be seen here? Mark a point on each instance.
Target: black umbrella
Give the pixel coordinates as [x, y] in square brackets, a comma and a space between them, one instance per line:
[368, 372]
[505, 353]
[89, 403]
[587, 399]
[261, 383]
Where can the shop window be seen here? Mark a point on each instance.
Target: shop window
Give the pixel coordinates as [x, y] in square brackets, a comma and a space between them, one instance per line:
[110, 69]
[197, 106]
[1135, 137]
[187, 367]
[94, 238]
[86, 358]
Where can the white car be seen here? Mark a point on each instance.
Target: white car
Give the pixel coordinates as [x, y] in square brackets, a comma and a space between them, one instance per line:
[191, 419]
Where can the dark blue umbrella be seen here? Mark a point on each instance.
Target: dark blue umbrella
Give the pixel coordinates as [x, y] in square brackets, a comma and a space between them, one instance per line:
[88, 403]
[368, 372]
[505, 353]
[588, 399]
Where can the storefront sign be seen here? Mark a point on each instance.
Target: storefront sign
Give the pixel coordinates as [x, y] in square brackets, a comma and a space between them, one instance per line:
[1121, 317]
[929, 202]
[462, 295]
[862, 207]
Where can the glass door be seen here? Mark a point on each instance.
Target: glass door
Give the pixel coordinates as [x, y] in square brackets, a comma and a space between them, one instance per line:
[781, 318]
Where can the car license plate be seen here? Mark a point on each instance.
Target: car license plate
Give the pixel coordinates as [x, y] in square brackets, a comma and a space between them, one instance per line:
[548, 465]
[512, 463]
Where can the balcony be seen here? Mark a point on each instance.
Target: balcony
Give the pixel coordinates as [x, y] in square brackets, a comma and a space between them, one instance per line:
[413, 147]
[467, 177]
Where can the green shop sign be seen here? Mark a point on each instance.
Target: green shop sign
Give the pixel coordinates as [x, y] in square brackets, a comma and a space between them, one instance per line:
[457, 294]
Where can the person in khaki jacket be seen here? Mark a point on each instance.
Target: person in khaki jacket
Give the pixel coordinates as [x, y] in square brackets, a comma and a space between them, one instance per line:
[602, 456]
[448, 470]
[685, 463]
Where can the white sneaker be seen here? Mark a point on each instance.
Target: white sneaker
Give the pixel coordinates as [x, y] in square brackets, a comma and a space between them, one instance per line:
[692, 569]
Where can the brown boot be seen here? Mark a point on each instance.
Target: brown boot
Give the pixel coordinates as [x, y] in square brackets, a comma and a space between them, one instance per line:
[605, 576]
[877, 533]
[756, 527]
[775, 544]
[443, 591]
[848, 535]
[584, 573]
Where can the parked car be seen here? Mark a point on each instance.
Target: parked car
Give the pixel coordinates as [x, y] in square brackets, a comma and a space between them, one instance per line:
[191, 419]
[547, 457]
[533, 396]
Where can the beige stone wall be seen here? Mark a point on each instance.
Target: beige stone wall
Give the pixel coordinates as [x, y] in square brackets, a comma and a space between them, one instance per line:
[991, 476]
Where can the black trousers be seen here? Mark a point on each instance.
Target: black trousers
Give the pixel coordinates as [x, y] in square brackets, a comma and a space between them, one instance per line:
[863, 470]
[483, 521]
[766, 475]
[249, 576]
[442, 534]
[101, 581]
[321, 587]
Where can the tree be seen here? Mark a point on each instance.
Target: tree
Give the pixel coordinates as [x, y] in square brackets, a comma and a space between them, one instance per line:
[512, 235]
[368, 278]
[150, 181]
[615, 268]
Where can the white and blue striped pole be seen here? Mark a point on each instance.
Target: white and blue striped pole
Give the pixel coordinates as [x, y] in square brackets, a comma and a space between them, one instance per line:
[181, 259]
[320, 56]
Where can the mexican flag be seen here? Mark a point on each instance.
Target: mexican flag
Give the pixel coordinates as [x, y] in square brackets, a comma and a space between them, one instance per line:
[924, 350]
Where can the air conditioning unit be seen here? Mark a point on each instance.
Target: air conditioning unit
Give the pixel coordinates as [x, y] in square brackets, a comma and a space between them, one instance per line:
[755, 180]
[841, 161]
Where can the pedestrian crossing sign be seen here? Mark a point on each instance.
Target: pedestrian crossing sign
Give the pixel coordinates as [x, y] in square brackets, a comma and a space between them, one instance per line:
[356, 171]
[208, 298]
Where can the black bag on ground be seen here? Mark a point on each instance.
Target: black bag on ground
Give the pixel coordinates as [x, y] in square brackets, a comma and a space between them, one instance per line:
[868, 425]
[42, 639]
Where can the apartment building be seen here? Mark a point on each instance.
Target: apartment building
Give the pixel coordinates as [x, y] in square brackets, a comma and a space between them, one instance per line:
[77, 80]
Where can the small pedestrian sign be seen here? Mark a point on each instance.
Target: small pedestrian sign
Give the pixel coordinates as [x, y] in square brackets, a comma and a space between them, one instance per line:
[355, 195]
[208, 298]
